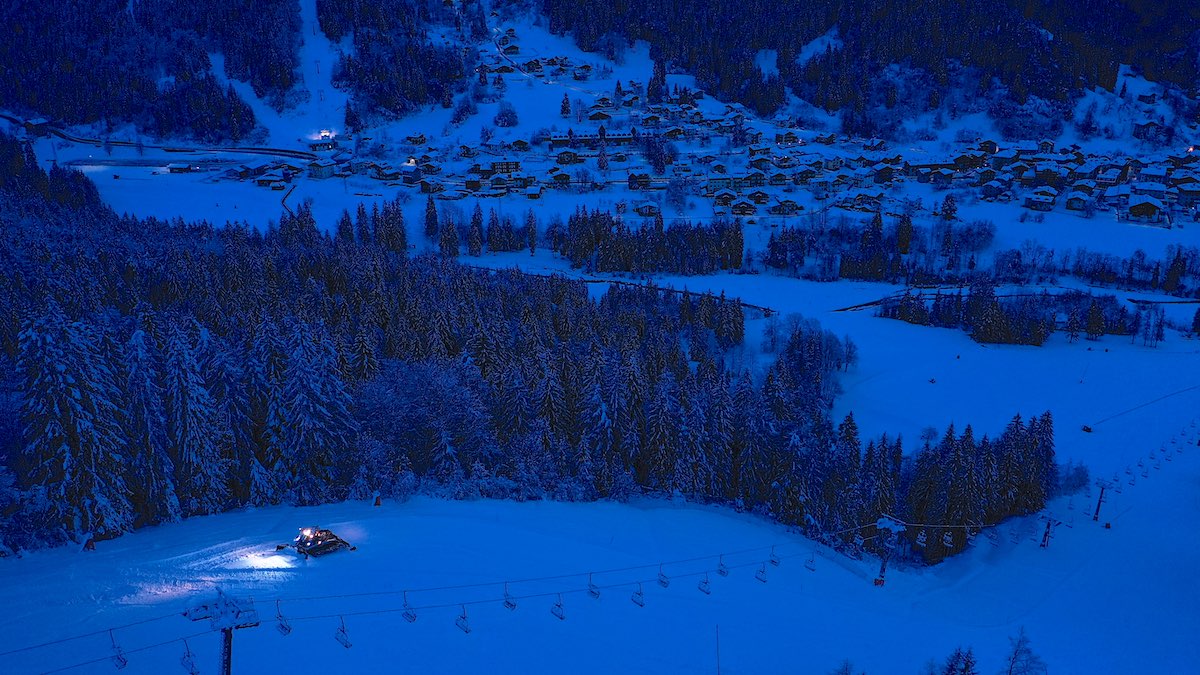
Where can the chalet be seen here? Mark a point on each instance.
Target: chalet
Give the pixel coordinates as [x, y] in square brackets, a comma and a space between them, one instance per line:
[504, 69]
[599, 116]
[761, 163]
[639, 181]
[674, 133]
[520, 145]
[827, 139]
[786, 138]
[1145, 210]
[603, 102]
[1039, 202]
[803, 176]
[582, 73]
[1003, 158]
[411, 174]
[743, 207]
[989, 146]
[467, 151]
[322, 144]
[1110, 176]
[759, 197]
[1188, 196]
[533, 192]
[429, 187]
[472, 184]
[992, 189]
[506, 166]
[941, 177]
[415, 139]
[451, 195]
[1088, 187]
[756, 150]
[268, 178]
[864, 200]
[322, 168]
[985, 175]
[1045, 145]
[179, 168]
[875, 144]
[724, 197]
[778, 178]
[1116, 195]
[1156, 190]
[38, 126]
[1077, 201]
[783, 161]
[561, 179]
[511, 49]
[498, 182]
[1153, 174]
[784, 207]
[1148, 130]
[647, 209]
[521, 180]
[533, 66]
[720, 167]
[754, 179]
[719, 183]
[883, 173]
[568, 157]
[253, 169]
[970, 160]
[385, 172]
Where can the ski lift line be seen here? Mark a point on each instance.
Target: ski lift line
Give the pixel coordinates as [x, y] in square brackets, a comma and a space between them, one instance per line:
[102, 659]
[1147, 403]
[532, 596]
[432, 589]
[72, 638]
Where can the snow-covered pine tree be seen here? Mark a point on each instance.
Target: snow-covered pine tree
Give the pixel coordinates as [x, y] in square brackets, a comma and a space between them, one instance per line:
[196, 432]
[75, 483]
[151, 476]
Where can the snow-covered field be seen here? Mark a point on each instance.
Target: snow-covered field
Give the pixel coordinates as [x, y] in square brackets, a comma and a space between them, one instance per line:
[1094, 601]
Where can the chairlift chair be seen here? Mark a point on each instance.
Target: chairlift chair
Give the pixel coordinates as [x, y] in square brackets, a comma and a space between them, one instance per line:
[921, 539]
[118, 655]
[557, 609]
[593, 589]
[410, 615]
[510, 603]
[761, 574]
[638, 597]
[947, 540]
[283, 626]
[722, 569]
[341, 635]
[462, 622]
[811, 563]
[773, 559]
[704, 586]
[663, 580]
[188, 660]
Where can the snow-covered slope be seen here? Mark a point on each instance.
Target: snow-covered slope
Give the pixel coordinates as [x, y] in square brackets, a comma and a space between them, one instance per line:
[1089, 601]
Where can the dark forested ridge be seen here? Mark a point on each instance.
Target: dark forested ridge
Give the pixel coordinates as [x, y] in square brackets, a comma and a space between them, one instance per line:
[154, 370]
[1012, 48]
[88, 62]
